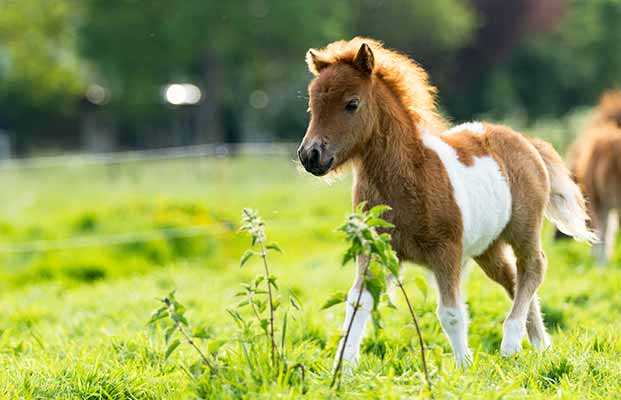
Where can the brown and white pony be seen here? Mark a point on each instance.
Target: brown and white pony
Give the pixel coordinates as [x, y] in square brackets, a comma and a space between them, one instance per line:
[475, 191]
[595, 161]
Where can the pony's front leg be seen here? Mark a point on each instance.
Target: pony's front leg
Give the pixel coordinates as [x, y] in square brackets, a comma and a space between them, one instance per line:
[452, 311]
[360, 316]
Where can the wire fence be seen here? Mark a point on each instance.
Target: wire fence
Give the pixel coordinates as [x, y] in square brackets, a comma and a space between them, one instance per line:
[129, 157]
[152, 155]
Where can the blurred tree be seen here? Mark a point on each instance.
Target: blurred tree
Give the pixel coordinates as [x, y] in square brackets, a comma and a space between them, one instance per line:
[232, 49]
[41, 78]
[534, 57]
[544, 67]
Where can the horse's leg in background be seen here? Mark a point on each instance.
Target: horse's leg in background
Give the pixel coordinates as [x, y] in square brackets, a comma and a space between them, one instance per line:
[498, 263]
[452, 312]
[613, 227]
[601, 249]
[352, 348]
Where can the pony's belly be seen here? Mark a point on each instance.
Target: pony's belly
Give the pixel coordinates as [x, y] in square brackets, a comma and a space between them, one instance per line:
[485, 204]
[481, 192]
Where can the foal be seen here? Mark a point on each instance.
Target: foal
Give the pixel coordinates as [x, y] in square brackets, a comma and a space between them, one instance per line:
[595, 160]
[475, 191]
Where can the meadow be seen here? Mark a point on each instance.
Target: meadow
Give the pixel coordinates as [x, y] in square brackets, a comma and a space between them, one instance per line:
[74, 314]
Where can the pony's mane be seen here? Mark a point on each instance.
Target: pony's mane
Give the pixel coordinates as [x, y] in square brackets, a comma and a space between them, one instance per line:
[407, 80]
[610, 102]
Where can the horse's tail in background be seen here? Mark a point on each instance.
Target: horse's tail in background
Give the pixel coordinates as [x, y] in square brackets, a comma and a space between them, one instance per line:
[566, 205]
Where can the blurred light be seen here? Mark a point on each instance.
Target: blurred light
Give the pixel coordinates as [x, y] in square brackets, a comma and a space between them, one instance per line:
[97, 94]
[259, 99]
[182, 93]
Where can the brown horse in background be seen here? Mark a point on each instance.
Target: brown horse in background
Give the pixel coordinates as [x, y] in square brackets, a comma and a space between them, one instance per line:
[595, 161]
[475, 191]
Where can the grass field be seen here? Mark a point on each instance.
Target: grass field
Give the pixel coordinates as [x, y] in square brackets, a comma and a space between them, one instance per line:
[73, 321]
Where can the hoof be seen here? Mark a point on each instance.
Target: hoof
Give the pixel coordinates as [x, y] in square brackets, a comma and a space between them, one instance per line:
[512, 337]
[464, 360]
[542, 344]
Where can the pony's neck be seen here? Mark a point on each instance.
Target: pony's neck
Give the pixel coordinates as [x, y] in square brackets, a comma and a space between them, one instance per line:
[396, 150]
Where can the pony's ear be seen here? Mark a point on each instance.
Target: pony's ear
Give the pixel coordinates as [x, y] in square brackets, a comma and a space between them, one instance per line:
[364, 60]
[315, 62]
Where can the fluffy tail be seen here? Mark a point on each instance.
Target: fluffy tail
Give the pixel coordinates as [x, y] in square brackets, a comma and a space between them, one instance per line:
[566, 206]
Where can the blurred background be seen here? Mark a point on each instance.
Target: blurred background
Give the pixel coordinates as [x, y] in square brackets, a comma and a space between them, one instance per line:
[101, 76]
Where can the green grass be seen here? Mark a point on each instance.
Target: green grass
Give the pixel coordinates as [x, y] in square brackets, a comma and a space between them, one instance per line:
[73, 321]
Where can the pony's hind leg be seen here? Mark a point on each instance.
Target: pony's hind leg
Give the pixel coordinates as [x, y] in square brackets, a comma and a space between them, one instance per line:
[531, 266]
[351, 351]
[498, 263]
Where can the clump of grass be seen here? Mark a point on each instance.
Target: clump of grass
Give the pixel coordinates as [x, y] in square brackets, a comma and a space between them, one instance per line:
[172, 313]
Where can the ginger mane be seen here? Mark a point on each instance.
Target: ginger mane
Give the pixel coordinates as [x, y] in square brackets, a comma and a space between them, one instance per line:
[407, 80]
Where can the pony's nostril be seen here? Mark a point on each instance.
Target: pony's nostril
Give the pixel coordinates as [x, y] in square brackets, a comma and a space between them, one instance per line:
[313, 157]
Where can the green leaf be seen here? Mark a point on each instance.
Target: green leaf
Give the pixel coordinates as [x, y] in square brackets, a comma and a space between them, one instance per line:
[201, 333]
[294, 302]
[274, 246]
[169, 332]
[236, 316]
[348, 256]
[360, 207]
[171, 347]
[179, 308]
[378, 222]
[158, 314]
[180, 318]
[421, 284]
[245, 257]
[335, 299]
[375, 286]
[272, 281]
[379, 210]
[392, 263]
[377, 319]
[215, 345]
[264, 324]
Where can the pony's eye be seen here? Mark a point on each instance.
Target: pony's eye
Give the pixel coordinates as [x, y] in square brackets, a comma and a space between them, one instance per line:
[352, 105]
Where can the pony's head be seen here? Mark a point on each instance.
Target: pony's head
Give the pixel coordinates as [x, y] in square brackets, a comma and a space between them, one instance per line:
[610, 107]
[341, 107]
[361, 89]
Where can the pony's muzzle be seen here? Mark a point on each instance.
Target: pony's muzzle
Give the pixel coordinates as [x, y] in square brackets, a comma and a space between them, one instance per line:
[315, 159]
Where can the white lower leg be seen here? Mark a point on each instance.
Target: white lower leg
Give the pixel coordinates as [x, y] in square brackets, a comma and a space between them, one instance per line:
[352, 348]
[602, 248]
[454, 322]
[513, 333]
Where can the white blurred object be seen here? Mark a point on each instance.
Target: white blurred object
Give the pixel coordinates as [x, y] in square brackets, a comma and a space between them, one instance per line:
[182, 94]
[97, 95]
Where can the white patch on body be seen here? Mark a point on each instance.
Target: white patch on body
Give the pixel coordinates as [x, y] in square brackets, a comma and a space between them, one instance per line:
[513, 333]
[481, 192]
[474, 127]
[454, 323]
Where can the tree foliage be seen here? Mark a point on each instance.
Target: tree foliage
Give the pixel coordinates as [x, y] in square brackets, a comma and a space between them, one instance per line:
[248, 59]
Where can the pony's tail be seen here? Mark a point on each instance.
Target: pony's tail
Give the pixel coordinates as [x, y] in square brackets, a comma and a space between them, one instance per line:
[566, 206]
